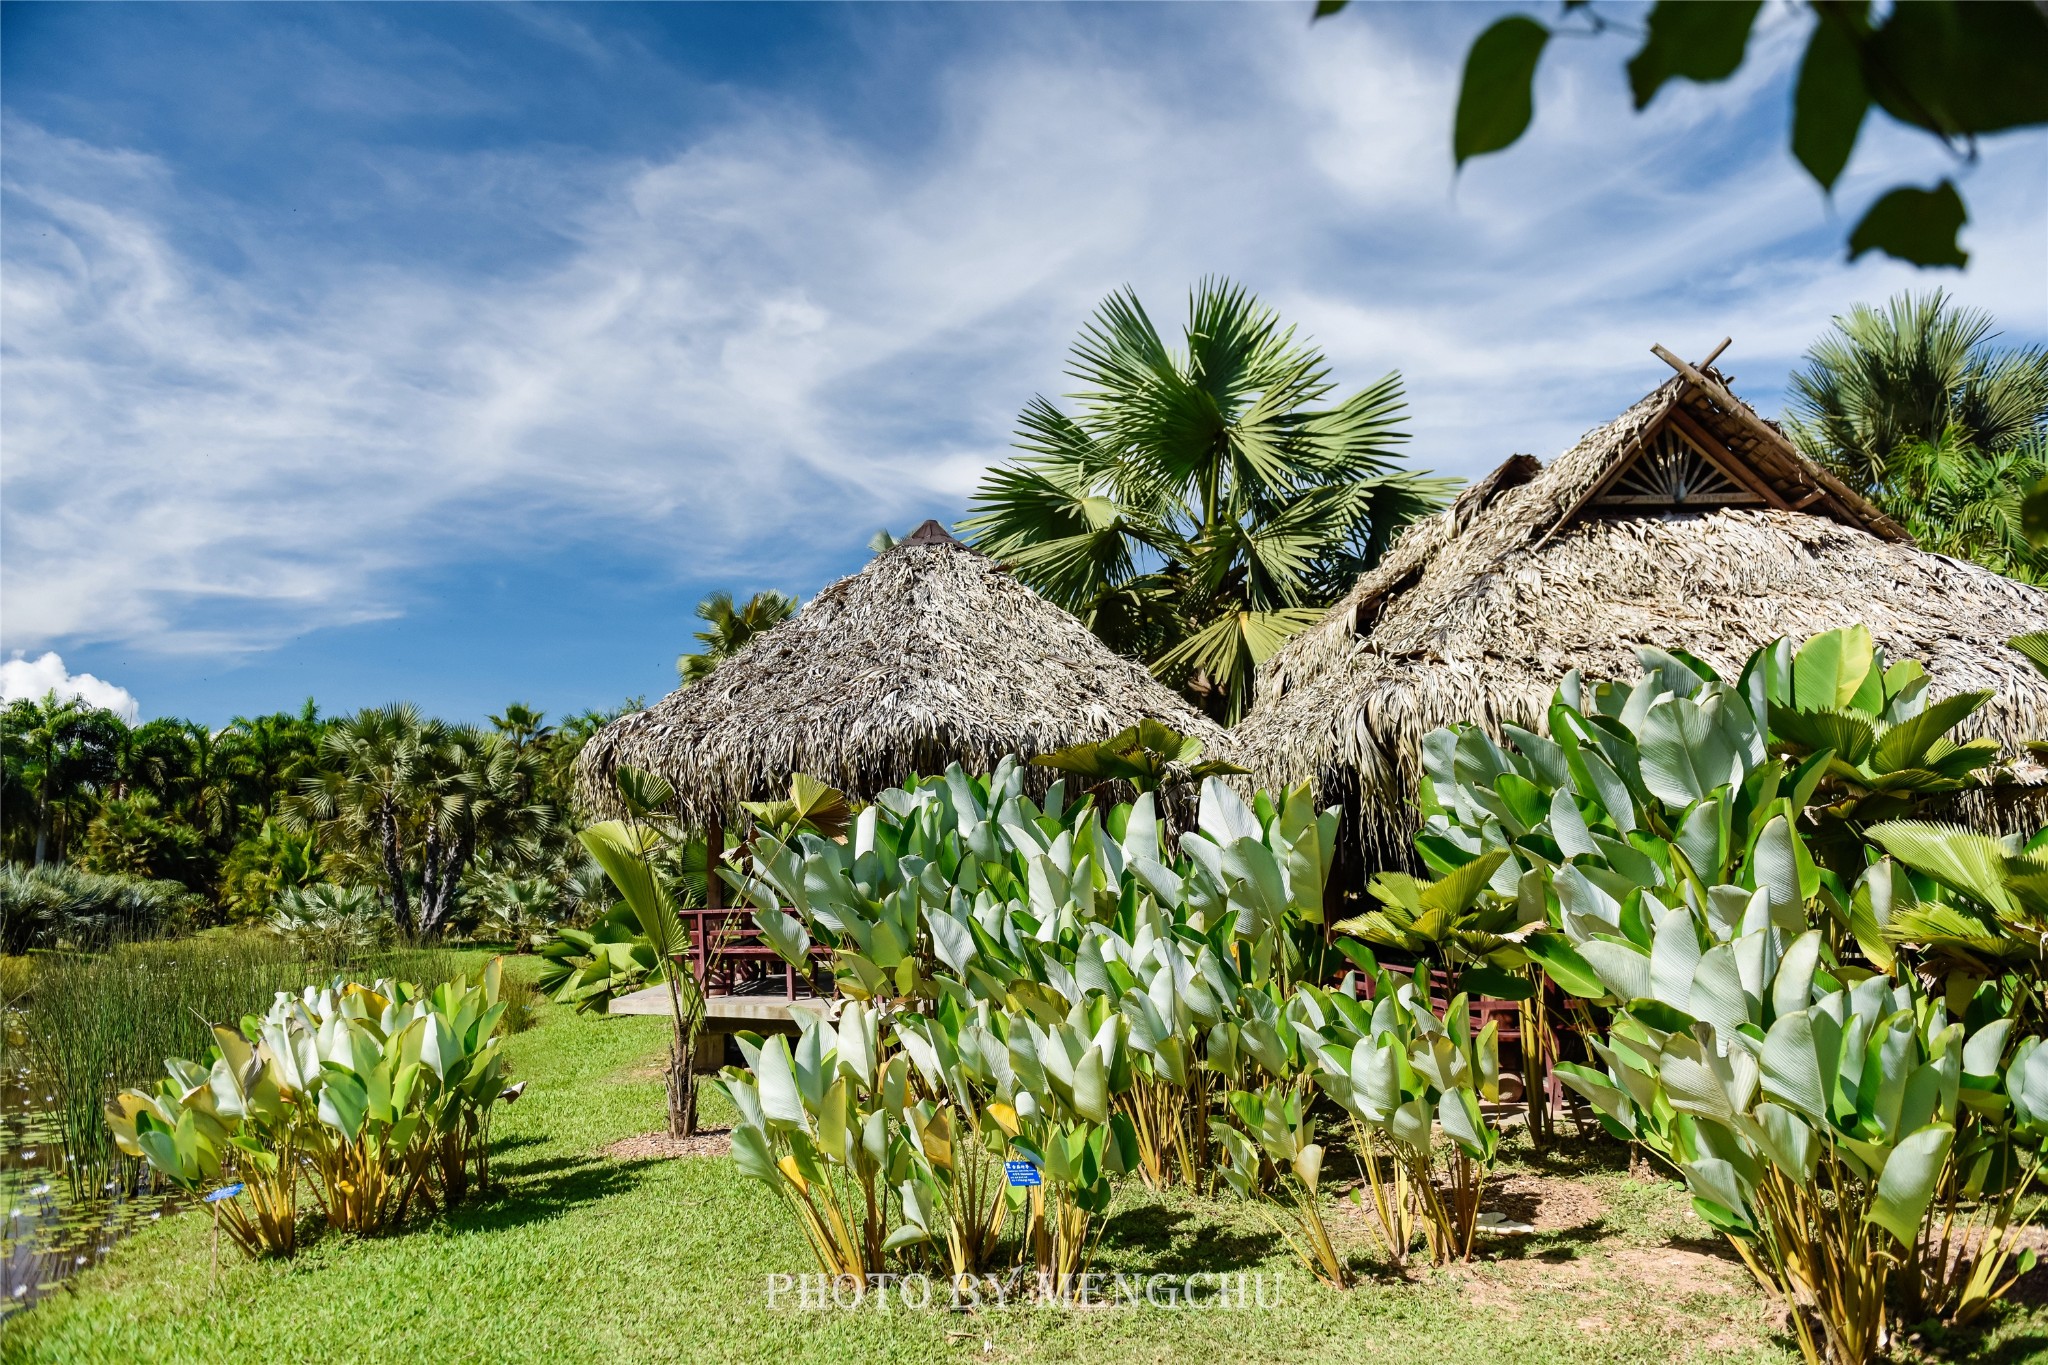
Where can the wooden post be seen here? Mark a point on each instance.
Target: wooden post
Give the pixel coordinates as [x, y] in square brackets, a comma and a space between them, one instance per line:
[714, 855]
[714, 899]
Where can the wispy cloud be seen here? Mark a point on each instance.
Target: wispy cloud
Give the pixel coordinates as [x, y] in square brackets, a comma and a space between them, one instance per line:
[748, 351]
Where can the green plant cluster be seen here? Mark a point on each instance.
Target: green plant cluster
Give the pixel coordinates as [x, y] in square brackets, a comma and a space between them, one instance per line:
[1045, 982]
[43, 905]
[1707, 864]
[383, 1092]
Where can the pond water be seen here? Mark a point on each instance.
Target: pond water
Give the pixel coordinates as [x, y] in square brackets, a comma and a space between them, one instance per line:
[46, 1236]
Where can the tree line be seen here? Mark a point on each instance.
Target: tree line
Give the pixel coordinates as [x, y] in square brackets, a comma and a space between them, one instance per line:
[414, 808]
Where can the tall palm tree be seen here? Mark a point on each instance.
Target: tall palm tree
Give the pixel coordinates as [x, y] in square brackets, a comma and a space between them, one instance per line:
[731, 628]
[267, 753]
[1916, 407]
[408, 802]
[522, 726]
[477, 794]
[1203, 505]
[56, 753]
[364, 796]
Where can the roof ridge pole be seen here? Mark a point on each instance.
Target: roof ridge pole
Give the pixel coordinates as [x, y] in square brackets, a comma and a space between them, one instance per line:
[1874, 519]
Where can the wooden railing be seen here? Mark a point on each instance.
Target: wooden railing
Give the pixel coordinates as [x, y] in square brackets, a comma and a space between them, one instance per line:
[732, 956]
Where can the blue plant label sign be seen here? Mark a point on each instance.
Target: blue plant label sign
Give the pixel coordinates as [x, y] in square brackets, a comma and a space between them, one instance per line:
[224, 1192]
[1022, 1173]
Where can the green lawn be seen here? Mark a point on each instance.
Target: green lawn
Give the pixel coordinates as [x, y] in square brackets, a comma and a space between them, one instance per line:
[584, 1258]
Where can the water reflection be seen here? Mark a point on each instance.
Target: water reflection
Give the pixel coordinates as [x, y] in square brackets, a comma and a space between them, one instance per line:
[45, 1235]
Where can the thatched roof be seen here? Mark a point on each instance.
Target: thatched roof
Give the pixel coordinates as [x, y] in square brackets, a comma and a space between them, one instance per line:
[931, 653]
[1688, 521]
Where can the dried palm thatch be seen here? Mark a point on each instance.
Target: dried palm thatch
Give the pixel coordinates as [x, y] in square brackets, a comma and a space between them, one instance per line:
[932, 653]
[1688, 521]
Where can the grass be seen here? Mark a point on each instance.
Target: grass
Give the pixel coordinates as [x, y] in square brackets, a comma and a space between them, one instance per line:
[588, 1259]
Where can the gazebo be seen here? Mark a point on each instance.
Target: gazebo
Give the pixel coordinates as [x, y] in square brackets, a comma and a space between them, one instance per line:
[933, 653]
[1687, 521]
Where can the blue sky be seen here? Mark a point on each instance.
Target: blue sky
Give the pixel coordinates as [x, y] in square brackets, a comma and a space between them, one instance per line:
[453, 353]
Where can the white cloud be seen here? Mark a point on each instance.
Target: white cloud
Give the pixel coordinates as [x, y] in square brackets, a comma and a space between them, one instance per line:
[38, 678]
[782, 331]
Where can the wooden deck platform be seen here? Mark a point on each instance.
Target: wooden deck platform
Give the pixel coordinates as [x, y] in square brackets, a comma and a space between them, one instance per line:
[726, 1013]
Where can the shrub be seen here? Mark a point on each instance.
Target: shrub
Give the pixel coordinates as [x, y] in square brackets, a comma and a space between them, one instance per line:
[1071, 994]
[59, 906]
[329, 923]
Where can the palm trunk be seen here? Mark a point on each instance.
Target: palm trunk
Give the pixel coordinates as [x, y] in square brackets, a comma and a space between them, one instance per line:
[682, 1064]
[394, 868]
[443, 881]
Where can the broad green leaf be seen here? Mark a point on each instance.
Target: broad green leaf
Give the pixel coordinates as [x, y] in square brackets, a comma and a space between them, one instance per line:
[1685, 752]
[1829, 101]
[1091, 1087]
[1718, 997]
[1674, 957]
[786, 935]
[1568, 827]
[1785, 1138]
[1907, 1182]
[1458, 1112]
[1623, 970]
[781, 1102]
[1775, 866]
[1714, 1182]
[1701, 42]
[1914, 225]
[1792, 1072]
[1829, 669]
[1495, 102]
[1410, 1125]
[1563, 964]
[1792, 986]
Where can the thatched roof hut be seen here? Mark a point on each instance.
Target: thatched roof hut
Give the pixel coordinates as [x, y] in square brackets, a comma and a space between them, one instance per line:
[1687, 521]
[932, 653]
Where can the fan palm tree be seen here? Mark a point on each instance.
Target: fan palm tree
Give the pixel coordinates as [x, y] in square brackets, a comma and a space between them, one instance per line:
[522, 726]
[407, 802]
[731, 628]
[1914, 406]
[363, 798]
[1202, 506]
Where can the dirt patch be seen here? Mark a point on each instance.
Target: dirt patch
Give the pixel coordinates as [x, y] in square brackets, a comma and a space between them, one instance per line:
[1547, 1203]
[655, 1146]
[1681, 1270]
